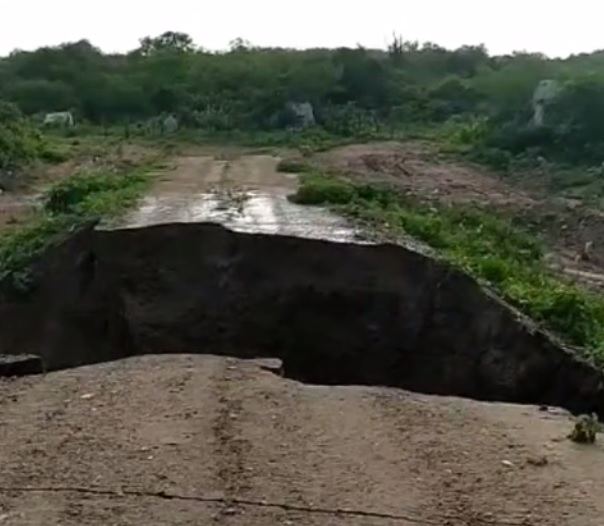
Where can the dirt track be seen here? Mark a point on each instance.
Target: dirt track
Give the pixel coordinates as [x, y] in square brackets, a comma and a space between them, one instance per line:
[245, 193]
[208, 440]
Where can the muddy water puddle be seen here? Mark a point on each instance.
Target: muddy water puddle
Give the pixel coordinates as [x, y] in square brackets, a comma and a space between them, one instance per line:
[251, 212]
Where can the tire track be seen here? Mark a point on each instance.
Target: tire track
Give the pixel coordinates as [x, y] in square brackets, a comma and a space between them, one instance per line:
[231, 448]
[314, 447]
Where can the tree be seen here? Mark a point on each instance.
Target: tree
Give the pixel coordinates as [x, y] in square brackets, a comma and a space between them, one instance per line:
[169, 41]
[247, 87]
[19, 141]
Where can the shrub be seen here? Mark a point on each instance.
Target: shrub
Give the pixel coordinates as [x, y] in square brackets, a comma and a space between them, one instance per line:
[68, 204]
[292, 166]
[318, 190]
[93, 192]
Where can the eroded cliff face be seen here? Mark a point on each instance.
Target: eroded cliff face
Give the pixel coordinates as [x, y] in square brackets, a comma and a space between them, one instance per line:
[334, 313]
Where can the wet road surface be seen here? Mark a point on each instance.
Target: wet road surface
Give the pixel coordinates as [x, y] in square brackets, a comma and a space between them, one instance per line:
[246, 194]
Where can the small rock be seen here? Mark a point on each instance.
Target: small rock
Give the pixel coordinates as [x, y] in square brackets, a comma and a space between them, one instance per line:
[86, 396]
[230, 511]
[537, 461]
[507, 463]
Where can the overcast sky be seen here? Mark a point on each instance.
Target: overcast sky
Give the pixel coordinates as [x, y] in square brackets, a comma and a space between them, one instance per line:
[555, 28]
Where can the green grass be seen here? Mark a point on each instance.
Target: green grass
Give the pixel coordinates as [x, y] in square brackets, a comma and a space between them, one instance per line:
[489, 248]
[67, 205]
[308, 141]
[293, 166]
[96, 193]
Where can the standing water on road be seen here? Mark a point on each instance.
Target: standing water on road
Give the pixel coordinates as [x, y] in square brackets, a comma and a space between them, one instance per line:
[246, 194]
[253, 212]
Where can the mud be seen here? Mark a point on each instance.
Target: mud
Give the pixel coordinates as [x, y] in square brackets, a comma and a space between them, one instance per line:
[334, 313]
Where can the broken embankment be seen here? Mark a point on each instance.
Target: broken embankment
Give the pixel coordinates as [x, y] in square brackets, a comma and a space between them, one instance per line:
[335, 313]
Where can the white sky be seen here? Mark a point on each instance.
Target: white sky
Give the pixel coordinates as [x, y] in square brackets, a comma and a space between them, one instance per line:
[555, 28]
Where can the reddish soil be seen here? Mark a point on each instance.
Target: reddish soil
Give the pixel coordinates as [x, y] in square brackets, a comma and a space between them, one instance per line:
[418, 168]
[415, 166]
[14, 209]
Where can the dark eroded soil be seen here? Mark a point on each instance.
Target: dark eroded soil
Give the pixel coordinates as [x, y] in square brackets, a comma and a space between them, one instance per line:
[335, 313]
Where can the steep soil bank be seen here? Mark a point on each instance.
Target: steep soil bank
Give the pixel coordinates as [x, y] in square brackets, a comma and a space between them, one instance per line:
[335, 313]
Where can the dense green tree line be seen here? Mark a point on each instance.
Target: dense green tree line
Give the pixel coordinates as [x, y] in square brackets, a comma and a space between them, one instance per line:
[485, 99]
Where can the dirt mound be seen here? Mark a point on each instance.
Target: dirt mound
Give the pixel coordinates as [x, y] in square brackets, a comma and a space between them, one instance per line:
[416, 166]
[335, 313]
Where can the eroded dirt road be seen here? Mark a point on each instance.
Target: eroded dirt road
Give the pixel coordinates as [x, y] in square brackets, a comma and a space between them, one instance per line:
[192, 440]
[245, 193]
[206, 440]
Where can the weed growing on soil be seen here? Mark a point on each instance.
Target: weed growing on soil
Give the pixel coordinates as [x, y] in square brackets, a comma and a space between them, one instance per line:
[67, 205]
[292, 166]
[489, 248]
[95, 193]
[586, 429]
[18, 247]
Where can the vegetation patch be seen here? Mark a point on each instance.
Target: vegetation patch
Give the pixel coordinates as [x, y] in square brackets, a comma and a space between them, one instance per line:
[489, 248]
[293, 166]
[96, 193]
[20, 142]
[66, 206]
[586, 429]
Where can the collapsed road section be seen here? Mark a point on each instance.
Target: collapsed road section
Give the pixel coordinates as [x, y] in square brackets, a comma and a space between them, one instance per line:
[334, 313]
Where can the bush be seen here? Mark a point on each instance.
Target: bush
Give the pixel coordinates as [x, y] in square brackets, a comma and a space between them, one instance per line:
[68, 204]
[20, 246]
[292, 166]
[20, 143]
[317, 190]
[93, 192]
